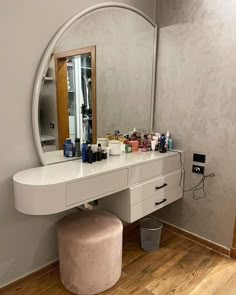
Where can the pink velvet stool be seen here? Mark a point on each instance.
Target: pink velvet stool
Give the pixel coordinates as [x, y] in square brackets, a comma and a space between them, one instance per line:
[90, 251]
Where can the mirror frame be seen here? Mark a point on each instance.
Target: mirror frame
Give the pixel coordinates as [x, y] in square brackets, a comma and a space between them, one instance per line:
[49, 52]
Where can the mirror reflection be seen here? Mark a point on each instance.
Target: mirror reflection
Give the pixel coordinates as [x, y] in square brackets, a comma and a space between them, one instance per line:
[75, 103]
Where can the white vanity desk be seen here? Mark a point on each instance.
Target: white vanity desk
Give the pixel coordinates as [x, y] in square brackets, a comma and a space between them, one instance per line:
[146, 182]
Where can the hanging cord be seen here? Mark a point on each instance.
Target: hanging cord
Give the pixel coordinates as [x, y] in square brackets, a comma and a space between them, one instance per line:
[199, 187]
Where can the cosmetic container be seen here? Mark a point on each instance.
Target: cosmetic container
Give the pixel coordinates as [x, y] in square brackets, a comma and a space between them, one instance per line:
[122, 147]
[170, 144]
[94, 152]
[162, 146]
[77, 148]
[99, 152]
[68, 148]
[145, 143]
[115, 146]
[90, 155]
[107, 150]
[103, 142]
[153, 145]
[134, 144]
[84, 153]
[156, 137]
[167, 139]
[104, 155]
[128, 148]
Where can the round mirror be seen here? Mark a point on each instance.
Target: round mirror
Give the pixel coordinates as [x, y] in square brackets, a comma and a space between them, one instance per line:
[96, 76]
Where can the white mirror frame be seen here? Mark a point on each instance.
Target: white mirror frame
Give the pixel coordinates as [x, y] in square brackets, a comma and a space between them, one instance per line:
[49, 51]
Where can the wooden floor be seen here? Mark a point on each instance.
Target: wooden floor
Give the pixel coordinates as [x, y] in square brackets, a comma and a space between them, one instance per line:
[180, 267]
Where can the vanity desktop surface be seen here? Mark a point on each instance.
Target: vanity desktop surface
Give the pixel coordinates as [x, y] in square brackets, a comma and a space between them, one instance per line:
[59, 187]
[72, 170]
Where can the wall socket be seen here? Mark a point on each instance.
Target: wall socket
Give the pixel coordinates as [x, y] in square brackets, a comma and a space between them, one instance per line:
[198, 169]
[200, 158]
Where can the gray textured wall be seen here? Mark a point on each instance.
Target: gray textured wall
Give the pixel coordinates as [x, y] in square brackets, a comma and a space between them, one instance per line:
[196, 102]
[26, 27]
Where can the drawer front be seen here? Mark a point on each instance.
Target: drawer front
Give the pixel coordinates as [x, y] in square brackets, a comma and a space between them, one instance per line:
[156, 186]
[149, 170]
[150, 205]
[83, 190]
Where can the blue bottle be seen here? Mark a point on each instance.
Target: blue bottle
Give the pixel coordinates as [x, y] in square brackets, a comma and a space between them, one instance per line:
[162, 147]
[84, 153]
[68, 148]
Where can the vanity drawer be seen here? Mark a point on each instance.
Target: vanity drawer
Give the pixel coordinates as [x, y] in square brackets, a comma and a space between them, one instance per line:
[149, 170]
[150, 205]
[93, 187]
[153, 187]
[120, 203]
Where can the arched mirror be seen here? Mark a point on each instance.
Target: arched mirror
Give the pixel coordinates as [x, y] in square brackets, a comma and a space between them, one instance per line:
[96, 76]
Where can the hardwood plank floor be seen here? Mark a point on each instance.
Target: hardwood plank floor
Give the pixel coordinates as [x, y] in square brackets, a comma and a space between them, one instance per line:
[180, 267]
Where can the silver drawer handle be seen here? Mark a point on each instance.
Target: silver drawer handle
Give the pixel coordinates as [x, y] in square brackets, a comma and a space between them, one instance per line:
[159, 187]
[158, 203]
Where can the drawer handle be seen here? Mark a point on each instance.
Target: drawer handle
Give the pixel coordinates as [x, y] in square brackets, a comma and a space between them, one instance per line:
[158, 203]
[159, 187]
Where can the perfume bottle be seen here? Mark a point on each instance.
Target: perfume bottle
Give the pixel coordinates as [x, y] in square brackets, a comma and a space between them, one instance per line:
[162, 145]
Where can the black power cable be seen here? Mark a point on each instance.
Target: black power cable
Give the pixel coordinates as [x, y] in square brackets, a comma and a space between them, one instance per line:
[197, 187]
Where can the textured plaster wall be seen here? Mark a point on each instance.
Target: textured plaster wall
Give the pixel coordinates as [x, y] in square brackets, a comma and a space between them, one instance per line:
[26, 27]
[196, 102]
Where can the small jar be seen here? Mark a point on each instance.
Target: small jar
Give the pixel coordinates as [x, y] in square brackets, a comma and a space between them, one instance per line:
[135, 145]
[128, 148]
[115, 146]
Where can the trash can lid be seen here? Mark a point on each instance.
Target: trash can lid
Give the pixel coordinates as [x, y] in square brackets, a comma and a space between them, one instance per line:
[150, 223]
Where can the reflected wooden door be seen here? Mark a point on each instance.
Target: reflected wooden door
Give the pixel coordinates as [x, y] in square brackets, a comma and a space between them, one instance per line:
[61, 59]
[62, 101]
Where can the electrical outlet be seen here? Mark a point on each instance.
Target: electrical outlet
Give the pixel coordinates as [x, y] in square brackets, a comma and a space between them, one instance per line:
[198, 169]
[199, 158]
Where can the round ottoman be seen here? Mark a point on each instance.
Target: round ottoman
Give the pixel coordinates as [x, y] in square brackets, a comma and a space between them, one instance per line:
[90, 251]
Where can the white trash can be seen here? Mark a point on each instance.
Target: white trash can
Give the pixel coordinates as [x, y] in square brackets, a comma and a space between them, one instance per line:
[150, 231]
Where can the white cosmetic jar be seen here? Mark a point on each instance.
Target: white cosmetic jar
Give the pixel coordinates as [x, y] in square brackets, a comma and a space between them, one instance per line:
[115, 146]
